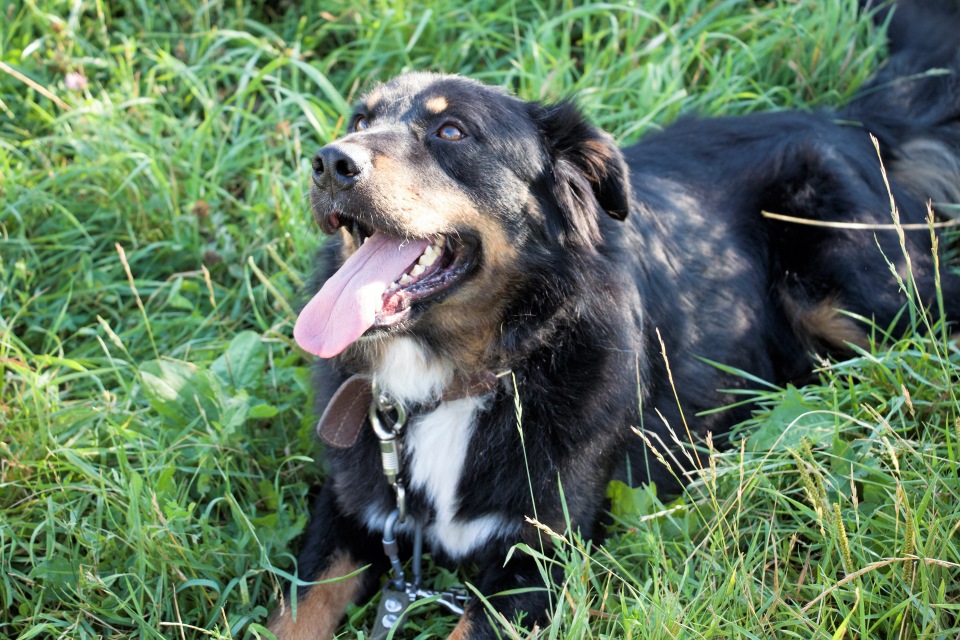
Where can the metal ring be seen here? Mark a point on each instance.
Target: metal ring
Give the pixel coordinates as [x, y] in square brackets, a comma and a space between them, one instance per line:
[381, 405]
[382, 433]
[401, 420]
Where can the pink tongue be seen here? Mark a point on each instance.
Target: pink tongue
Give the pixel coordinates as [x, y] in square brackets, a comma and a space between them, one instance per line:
[350, 300]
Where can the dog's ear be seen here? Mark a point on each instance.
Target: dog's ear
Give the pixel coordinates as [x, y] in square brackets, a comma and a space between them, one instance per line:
[590, 175]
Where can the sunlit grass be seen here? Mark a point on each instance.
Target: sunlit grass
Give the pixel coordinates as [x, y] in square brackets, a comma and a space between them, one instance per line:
[156, 453]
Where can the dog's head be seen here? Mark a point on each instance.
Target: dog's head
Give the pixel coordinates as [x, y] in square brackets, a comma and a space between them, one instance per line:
[443, 192]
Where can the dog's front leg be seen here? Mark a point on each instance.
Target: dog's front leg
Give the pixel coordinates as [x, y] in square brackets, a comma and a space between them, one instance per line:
[334, 554]
[319, 609]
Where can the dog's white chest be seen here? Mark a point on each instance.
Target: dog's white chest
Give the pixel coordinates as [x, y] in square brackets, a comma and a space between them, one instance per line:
[436, 446]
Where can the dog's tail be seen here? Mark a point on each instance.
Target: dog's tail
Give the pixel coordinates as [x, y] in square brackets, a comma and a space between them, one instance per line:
[913, 104]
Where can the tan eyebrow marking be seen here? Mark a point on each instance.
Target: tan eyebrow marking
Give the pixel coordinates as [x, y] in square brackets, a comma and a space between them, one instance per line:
[373, 98]
[437, 104]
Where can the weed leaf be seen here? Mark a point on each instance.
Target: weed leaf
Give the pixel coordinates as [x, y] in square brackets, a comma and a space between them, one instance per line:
[794, 419]
[176, 390]
[241, 365]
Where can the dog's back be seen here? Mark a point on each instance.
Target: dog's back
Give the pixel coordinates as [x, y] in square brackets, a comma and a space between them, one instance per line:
[765, 229]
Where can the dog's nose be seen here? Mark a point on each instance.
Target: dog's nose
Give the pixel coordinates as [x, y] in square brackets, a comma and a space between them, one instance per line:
[336, 167]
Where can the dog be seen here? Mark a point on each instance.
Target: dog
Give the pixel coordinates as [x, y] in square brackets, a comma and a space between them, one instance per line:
[506, 294]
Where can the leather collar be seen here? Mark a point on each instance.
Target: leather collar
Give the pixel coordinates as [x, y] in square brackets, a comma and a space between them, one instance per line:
[348, 409]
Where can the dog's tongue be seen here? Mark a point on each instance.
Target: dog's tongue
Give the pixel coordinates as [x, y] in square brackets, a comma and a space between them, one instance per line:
[350, 300]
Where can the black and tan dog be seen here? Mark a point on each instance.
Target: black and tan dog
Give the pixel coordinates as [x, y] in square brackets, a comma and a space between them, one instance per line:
[476, 234]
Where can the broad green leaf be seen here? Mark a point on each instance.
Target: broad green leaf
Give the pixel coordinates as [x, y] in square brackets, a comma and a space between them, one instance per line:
[632, 502]
[790, 421]
[263, 411]
[178, 390]
[242, 365]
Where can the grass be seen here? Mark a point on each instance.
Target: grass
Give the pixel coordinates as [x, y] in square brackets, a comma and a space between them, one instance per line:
[155, 450]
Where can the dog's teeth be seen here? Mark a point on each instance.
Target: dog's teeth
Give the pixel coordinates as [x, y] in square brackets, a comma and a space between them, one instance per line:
[429, 256]
[393, 287]
[406, 279]
[440, 241]
[417, 270]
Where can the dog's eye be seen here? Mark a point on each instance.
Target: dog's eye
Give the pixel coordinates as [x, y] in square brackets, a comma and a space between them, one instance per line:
[450, 132]
[361, 124]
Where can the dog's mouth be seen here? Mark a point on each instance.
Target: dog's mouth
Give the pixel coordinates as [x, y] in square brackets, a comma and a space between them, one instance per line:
[381, 286]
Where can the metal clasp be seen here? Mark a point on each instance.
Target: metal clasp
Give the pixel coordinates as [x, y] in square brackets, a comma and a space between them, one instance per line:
[385, 409]
[453, 600]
